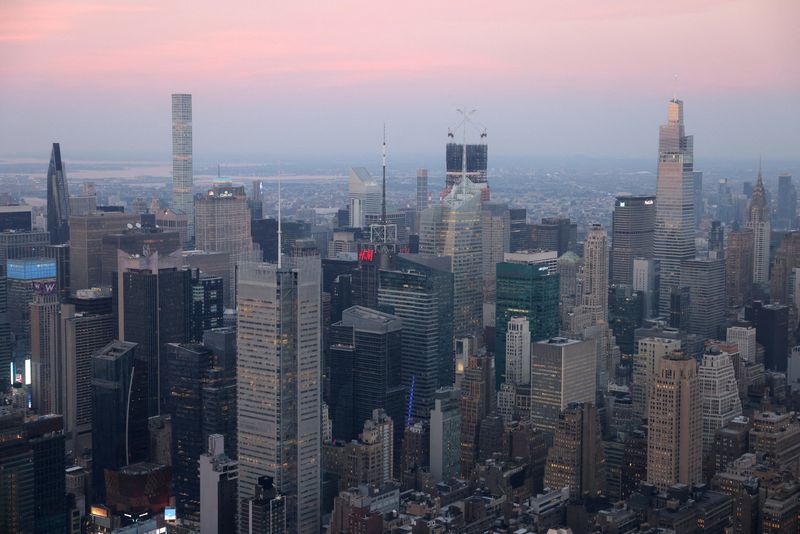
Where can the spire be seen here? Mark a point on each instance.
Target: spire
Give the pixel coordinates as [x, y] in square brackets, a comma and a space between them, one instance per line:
[279, 222]
[760, 180]
[383, 199]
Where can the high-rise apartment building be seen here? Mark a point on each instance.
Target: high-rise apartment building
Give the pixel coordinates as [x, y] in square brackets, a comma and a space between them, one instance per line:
[279, 375]
[527, 286]
[562, 372]
[633, 224]
[673, 239]
[57, 199]
[758, 221]
[705, 278]
[219, 476]
[576, 459]
[453, 228]
[182, 170]
[420, 291]
[719, 394]
[675, 424]
[739, 266]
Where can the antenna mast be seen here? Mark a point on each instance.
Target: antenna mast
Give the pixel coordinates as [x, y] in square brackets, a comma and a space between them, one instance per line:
[279, 222]
[383, 201]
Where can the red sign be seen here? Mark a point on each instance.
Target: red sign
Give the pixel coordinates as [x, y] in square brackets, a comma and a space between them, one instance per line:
[366, 254]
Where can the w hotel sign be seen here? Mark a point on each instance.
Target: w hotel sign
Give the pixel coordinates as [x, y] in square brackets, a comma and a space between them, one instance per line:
[44, 287]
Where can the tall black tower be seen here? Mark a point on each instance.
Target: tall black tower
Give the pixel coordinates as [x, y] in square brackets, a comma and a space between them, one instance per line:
[57, 199]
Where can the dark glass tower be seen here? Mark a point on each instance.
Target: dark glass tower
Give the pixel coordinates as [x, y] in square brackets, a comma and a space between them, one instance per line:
[420, 292]
[477, 162]
[57, 199]
[207, 306]
[530, 290]
[633, 224]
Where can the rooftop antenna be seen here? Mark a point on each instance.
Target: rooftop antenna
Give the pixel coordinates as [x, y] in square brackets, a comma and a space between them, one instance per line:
[279, 221]
[383, 200]
[675, 87]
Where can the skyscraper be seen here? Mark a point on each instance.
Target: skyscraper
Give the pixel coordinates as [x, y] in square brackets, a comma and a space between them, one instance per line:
[633, 224]
[786, 214]
[758, 221]
[518, 351]
[527, 286]
[57, 199]
[496, 235]
[787, 258]
[420, 292]
[739, 266]
[675, 423]
[595, 278]
[705, 279]
[745, 339]
[445, 425]
[476, 165]
[674, 228]
[46, 360]
[477, 401]
[364, 196]
[279, 375]
[453, 229]
[719, 393]
[182, 171]
[422, 190]
[650, 351]
[86, 245]
[551, 391]
[218, 478]
[576, 460]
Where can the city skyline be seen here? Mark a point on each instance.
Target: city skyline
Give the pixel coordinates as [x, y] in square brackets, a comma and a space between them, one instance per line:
[311, 82]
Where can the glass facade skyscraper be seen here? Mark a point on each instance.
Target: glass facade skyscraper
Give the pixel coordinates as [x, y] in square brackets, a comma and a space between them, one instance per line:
[674, 230]
[57, 199]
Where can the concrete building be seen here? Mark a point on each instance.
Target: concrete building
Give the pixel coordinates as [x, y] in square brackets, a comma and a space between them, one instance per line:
[739, 266]
[719, 393]
[745, 339]
[650, 351]
[218, 480]
[363, 195]
[758, 221]
[445, 434]
[182, 164]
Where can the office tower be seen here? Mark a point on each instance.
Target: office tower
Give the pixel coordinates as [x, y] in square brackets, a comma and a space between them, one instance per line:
[477, 401]
[267, 511]
[172, 221]
[119, 417]
[136, 240]
[60, 253]
[422, 190]
[151, 300]
[86, 245]
[82, 334]
[15, 218]
[47, 364]
[650, 351]
[777, 436]
[562, 372]
[787, 259]
[739, 266]
[453, 228]
[495, 232]
[632, 227]
[210, 264]
[16, 476]
[697, 189]
[364, 196]
[716, 241]
[256, 200]
[719, 394]
[219, 387]
[554, 233]
[673, 239]
[207, 304]
[420, 292]
[518, 351]
[5, 330]
[82, 204]
[675, 424]
[279, 375]
[595, 274]
[705, 279]
[187, 365]
[570, 274]
[520, 235]
[576, 459]
[182, 171]
[527, 286]
[445, 434]
[19, 244]
[26, 278]
[218, 479]
[745, 339]
[476, 164]
[371, 459]
[222, 224]
[365, 358]
[786, 212]
[758, 221]
[772, 332]
[626, 314]
[57, 199]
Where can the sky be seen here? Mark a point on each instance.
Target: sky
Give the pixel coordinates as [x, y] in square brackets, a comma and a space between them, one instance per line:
[277, 79]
